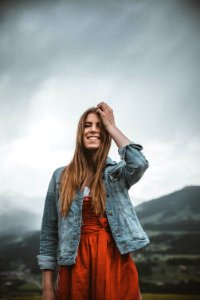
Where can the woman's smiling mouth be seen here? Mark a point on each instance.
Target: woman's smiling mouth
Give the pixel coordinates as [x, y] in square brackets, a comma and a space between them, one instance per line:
[93, 138]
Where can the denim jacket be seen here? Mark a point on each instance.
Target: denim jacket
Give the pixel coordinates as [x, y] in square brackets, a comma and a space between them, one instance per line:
[60, 236]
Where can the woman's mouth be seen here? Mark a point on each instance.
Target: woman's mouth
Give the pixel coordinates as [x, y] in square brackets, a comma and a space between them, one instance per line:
[93, 138]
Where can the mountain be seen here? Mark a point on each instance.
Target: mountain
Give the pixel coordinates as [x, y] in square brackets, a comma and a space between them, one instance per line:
[171, 262]
[171, 222]
[15, 220]
[16, 251]
[177, 211]
[18, 221]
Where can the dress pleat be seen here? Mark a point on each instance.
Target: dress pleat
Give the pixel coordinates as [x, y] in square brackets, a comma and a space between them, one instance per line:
[100, 271]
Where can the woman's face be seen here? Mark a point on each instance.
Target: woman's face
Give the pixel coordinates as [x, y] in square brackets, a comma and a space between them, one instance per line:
[92, 132]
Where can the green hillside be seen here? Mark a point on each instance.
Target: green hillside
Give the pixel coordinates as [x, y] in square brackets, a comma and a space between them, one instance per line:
[170, 264]
[171, 261]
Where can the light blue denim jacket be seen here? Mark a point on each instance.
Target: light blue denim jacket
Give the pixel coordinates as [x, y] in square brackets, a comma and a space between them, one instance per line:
[60, 236]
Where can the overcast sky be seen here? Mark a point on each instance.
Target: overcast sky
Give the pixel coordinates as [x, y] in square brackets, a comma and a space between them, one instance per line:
[57, 58]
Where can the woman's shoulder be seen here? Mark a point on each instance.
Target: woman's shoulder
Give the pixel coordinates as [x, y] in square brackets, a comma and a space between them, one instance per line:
[57, 172]
[59, 169]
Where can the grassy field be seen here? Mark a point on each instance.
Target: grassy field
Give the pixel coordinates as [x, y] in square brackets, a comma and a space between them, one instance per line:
[144, 297]
[169, 297]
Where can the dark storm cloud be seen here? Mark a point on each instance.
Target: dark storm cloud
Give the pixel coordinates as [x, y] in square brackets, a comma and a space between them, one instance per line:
[143, 56]
[152, 42]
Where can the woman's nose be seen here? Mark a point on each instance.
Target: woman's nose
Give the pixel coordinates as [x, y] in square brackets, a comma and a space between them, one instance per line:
[94, 128]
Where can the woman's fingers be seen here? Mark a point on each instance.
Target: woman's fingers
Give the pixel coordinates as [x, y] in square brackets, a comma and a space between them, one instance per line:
[107, 106]
[106, 113]
[104, 106]
[99, 110]
[101, 106]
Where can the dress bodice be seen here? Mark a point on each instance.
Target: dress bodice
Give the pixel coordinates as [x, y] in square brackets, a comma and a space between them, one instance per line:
[90, 218]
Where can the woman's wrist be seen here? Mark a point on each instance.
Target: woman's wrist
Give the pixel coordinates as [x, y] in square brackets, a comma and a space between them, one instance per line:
[118, 136]
[110, 127]
[47, 280]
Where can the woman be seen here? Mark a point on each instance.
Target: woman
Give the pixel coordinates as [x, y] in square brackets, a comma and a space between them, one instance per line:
[89, 226]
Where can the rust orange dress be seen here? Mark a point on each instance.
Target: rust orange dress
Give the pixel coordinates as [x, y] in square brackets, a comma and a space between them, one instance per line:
[100, 271]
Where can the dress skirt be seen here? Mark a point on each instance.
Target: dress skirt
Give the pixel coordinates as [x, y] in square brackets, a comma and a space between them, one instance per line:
[100, 271]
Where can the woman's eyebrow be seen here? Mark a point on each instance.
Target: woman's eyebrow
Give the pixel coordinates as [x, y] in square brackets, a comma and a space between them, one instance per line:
[91, 122]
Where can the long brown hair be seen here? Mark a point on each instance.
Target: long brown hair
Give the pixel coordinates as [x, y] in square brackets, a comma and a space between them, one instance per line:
[76, 173]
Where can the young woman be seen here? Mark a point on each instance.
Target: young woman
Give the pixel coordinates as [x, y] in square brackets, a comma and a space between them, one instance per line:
[89, 225]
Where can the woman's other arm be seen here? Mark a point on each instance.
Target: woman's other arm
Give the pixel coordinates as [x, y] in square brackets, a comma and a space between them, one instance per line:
[49, 230]
[47, 260]
[48, 285]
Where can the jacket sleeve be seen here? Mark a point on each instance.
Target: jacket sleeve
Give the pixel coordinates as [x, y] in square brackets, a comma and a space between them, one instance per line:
[47, 257]
[135, 163]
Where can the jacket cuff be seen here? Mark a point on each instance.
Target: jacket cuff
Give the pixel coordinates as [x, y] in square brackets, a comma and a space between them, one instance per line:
[122, 150]
[46, 262]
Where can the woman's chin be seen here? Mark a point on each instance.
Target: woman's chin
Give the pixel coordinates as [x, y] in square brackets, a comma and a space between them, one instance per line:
[92, 148]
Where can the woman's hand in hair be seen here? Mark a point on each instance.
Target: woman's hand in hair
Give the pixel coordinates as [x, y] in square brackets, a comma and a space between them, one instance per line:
[106, 114]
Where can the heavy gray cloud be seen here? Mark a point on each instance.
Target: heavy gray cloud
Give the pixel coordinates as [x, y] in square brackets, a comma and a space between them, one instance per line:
[58, 57]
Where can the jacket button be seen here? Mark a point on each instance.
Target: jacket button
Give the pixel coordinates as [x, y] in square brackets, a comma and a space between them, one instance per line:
[110, 213]
[107, 195]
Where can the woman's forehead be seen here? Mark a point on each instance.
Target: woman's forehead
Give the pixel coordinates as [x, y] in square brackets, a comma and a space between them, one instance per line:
[92, 117]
